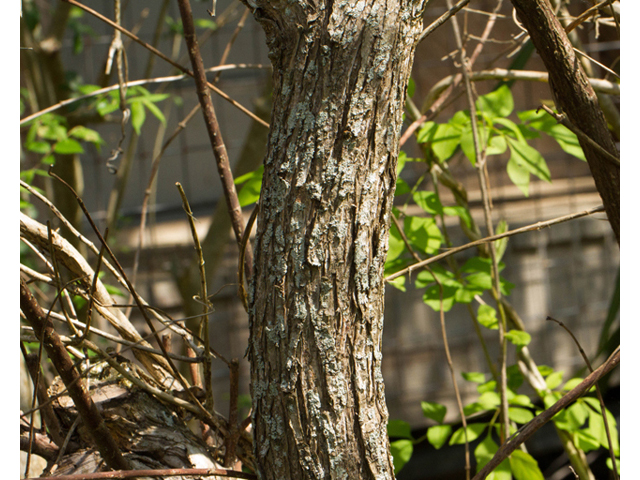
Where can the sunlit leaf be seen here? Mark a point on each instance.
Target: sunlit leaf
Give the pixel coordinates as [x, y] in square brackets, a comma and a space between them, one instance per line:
[434, 411]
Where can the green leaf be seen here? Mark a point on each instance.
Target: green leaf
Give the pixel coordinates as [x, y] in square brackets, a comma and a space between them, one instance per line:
[473, 431]
[399, 428]
[545, 370]
[396, 244]
[489, 386]
[461, 212]
[519, 176]
[484, 452]
[487, 317]
[38, 147]
[567, 140]
[498, 103]
[106, 106]
[401, 450]
[429, 202]
[521, 400]
[597, 430]
[571, 384]
[514, 377]
[497, 145]
[554, 380]
[431, 297]
[399, 283]
[434, 411]
[52, 131]
[445, 141]
[86, 134]
[250, 191]
[437, 435]
[475, 377]
[68, 146]
[572, 418]
[423, 233]
[479, 264]
[610, 464]
[48, 159]
[520, 415]
[489, 400]
[510, 128]
[444, 276]
[427, 132]
[411, 87]
[585, 441]
[524, 466]
[206, 23]
[501, 245]
[153, 108]
[138, 116]
[401, 187]
[529, 158]
[467, 143]
[518, 338]
[113, 290]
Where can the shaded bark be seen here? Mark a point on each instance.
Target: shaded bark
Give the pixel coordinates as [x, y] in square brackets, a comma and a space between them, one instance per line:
[575, 97]
[317, 299]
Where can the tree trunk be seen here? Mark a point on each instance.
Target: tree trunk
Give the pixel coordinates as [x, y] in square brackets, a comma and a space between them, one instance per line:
[317, 299]
[575, 97]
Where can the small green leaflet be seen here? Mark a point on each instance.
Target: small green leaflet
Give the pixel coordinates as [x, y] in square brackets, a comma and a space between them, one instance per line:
[401, 450]
[524, 466]
[498, 103]
[437, 435]
[473, 431]
[399, 429]
[434, 411]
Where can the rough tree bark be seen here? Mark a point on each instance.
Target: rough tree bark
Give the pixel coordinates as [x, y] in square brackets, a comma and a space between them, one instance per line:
[575, 97]
[340, 73]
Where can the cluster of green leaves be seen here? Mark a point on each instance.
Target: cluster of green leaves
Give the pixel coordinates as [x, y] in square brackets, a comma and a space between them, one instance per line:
[583, 420]
[497, 134]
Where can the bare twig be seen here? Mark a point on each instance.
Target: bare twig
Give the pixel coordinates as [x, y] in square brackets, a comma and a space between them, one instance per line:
[96, 427]
[215, 135]
[530, 428]
[445, 343]
[166, 59]
[510, 233]
[480, 165]
[443, 18]
[598, 394]
[204, 298]
[133, 83]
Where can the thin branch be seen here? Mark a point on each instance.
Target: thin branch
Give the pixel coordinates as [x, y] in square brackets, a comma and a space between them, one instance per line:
[598, 394]
[586, 14]
[564, 120]
[534, 425]
[206, 306]
[510, 233]
[132, 83]
[213, 129]
[165, 58]
[96, 427]
[599, 85]
[443, 18]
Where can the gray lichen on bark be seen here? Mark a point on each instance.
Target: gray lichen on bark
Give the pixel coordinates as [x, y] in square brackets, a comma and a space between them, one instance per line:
[317, 296]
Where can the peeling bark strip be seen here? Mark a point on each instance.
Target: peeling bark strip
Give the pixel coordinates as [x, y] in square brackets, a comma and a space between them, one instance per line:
[575, 97]
[340, 73]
